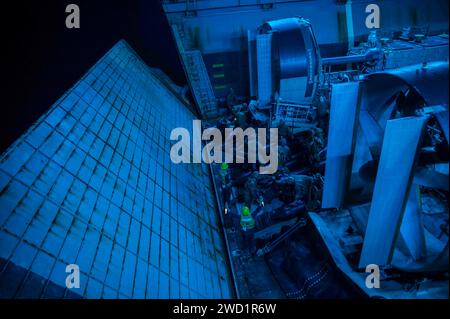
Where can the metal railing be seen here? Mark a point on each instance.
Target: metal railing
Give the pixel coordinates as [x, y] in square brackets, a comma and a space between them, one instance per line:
[197, 74]
[293, 114]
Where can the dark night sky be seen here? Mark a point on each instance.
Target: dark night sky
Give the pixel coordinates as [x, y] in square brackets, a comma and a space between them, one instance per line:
[41, 58]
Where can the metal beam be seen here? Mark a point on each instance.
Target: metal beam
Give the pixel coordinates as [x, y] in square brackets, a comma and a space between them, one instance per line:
[392, 185]
[341, 142]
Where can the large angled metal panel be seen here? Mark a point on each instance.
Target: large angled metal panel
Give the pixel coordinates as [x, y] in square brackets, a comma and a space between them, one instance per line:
[92, 184]
[394, 176]
[341, 136]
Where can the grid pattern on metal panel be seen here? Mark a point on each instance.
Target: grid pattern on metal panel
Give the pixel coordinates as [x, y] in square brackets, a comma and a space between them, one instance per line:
[264, 66]
[91, 183]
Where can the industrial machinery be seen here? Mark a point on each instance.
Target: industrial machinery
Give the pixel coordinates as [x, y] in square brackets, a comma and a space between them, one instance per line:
[384, 161]
[354, 117]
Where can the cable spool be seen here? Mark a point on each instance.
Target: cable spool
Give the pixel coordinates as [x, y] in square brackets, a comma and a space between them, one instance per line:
[295, 59]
